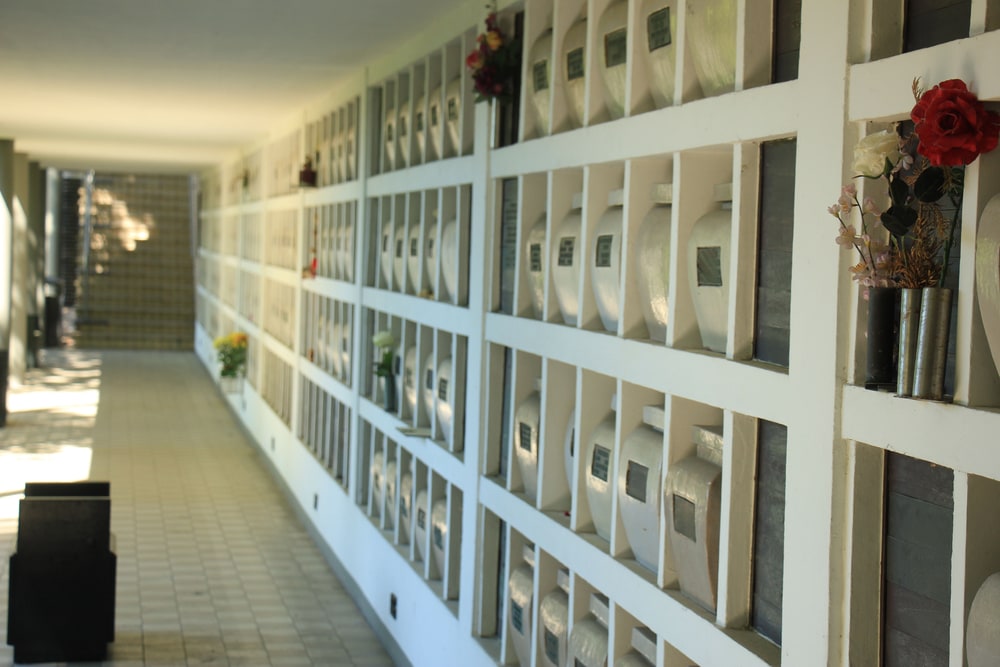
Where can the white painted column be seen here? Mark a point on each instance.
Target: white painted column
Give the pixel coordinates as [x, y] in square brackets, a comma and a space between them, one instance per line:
[6, 265]
[21, 298]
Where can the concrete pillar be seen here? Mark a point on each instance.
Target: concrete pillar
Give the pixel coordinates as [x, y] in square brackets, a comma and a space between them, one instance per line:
[21, 298]
[6, 265]
[53, 305]
[36, 235]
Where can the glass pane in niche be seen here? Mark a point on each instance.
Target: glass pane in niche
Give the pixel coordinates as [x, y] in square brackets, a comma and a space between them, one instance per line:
[769, 530]
[930, 22]
[600, 463]
[787, 38]
[684, 517]
[635, 480]
[772, 325]
[919, 520]
[709, 267]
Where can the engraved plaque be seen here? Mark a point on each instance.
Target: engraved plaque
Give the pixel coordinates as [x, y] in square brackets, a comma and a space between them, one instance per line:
[414, 247]
[684, 518]
[517, 617]
[430, 248]
[402, 127]
[421, 518]
[615, 49]
[429, 380]
[385, 242]
[438, 538]
[635, 481]
[388, 131]
[574, 64]
[399, 248]
[418, 121]
[551, 647]
[434, 114]
[600, 462]
[540, 75]
[710, 267]
[658, 29]
[525, 432]
[452, 109]
[535, 260]
[602, 256]
[443, 389]
[566, 245]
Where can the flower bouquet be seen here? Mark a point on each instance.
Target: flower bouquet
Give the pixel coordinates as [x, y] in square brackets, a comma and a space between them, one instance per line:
[232, 354]
[908, 244]
[385, 343]
[494, 63]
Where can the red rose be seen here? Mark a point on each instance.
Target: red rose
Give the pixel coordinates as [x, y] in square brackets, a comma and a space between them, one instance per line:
[474, 60]
[953, 126]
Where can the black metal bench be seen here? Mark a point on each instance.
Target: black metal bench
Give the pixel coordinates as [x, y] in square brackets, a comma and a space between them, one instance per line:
[62, 575]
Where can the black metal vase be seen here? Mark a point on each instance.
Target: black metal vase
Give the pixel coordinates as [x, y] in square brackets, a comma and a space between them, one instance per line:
[389, 392]
[880, 366]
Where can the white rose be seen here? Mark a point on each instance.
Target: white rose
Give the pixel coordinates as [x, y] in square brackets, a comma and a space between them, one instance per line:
[871, 153]
[383, 339]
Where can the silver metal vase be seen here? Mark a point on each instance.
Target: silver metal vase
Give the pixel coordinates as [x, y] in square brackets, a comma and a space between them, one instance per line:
[909, 323]
[932, 343]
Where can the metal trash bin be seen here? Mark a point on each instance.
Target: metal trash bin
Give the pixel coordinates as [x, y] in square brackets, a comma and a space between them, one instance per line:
[61, 604]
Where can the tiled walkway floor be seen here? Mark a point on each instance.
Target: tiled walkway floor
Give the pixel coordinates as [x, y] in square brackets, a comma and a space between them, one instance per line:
[213, 566]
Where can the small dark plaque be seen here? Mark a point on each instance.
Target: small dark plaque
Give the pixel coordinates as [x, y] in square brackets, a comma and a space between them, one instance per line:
[418, 121]
[414, 247]
[443, 389]
[710, 266]
[434, 114]
[635, 481]
[535, 260]
[600, 462]
[408, 377]
[399, 248]
[574, 64]
[421, 518]
[524, 432]
[540, 75]
[343, 346]
[566, 245]
[551, 647]
[602, 258]
[658, 29]
[430, 248]
[684, 518]
[438, 538]
[577, 663]
[385, 242]
[615, 48]
[388, 131]
[429, 380]
[517, 617]
[402, 127]
[453, 109]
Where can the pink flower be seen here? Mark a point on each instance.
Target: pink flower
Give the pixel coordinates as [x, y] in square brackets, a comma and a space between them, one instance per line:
[847, 237]
[871, 207]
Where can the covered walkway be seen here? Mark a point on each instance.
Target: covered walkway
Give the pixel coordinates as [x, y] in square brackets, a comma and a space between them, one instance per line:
[214, 568]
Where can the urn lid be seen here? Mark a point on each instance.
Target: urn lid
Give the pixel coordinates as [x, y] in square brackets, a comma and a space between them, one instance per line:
[662, 193]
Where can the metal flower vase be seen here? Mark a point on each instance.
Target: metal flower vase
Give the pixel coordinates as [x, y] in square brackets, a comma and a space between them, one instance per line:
[880, 368]
[932, 343]
[909, 323]
[388, 386]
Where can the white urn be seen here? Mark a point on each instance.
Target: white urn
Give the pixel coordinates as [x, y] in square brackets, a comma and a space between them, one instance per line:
[708, 255]
[444, 403]
[527, 420]
[711, 24]
[564, 263]
[651, 259]
[640, 487]
[540, 75]
[574, 53]
[605, 253]
[657, 46]
[534, 260]
[612, 30]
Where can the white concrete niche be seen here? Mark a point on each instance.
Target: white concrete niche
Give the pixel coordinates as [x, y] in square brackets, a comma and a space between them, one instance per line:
[574, 55]
[693, 498]
[651, 261]
[612, 33]
[565, 256]
[540, 77]
[588, 643]
[640, 486]
[643, 653]
[605, 257]
[444, 400]
[527, 420]
[534, 260]
[709, 253]
[553, 612]
[520, 591]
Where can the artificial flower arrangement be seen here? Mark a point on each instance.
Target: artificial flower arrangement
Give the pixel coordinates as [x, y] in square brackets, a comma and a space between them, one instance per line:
[922, 169]
[232, 354]
[385, 343]
[494, 63]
